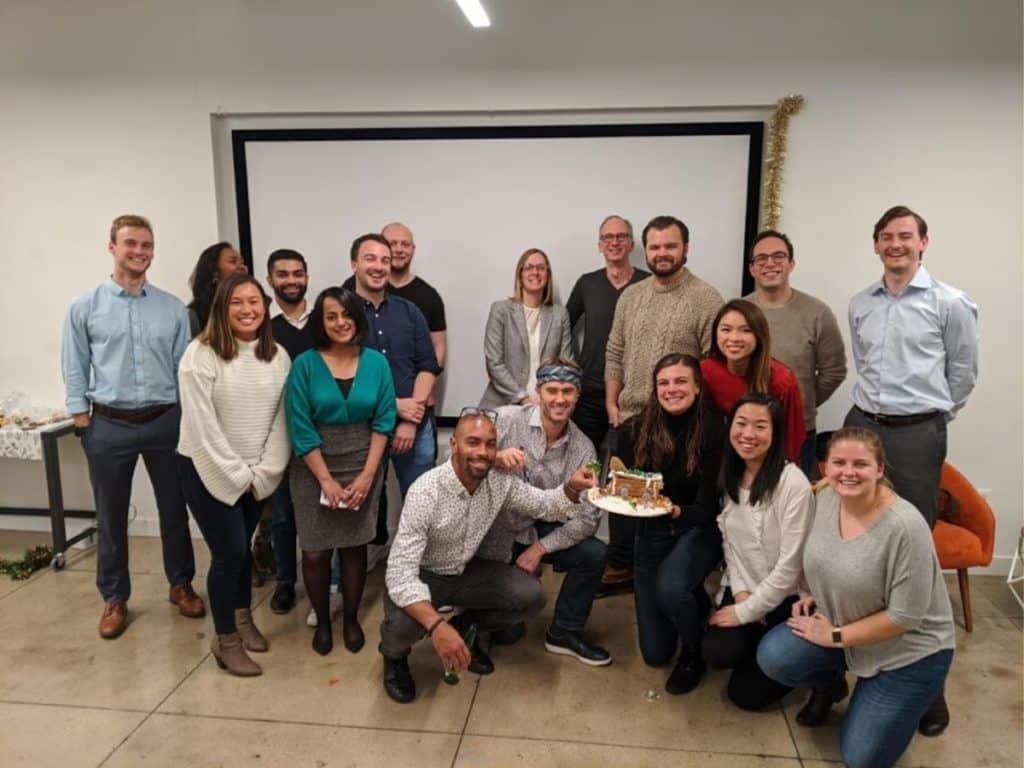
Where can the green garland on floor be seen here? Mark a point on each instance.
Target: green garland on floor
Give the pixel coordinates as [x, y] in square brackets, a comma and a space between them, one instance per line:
[35, 558]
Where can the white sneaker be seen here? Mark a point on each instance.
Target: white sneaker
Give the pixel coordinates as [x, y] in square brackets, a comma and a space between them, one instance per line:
[334, 606]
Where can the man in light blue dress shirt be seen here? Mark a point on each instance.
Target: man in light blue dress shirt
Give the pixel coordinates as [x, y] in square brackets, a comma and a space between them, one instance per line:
[915, 347]
[119, 356]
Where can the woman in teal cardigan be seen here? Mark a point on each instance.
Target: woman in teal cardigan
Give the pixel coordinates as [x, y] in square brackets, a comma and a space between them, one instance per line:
[340, 408]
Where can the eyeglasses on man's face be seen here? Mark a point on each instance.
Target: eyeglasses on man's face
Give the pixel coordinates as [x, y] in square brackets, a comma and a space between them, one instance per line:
[610, 237]
[760, 259]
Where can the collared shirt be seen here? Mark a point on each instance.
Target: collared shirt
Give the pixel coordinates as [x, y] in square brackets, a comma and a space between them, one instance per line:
[122, 350]
[916, 352]
[398, 330]
[547, 467]
[442, 524]
[298, 322]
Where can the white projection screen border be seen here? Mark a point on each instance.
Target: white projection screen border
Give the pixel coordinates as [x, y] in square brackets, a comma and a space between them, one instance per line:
[478, 196]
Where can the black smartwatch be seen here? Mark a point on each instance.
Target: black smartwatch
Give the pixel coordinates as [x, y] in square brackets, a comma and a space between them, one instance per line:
[837, 636]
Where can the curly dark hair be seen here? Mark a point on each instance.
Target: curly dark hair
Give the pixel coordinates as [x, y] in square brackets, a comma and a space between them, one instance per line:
[203, 281]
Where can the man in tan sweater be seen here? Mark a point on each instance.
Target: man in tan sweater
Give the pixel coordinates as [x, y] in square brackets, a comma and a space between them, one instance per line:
[671, 312]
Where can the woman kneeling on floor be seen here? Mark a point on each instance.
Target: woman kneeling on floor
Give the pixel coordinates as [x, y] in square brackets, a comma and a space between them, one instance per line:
[232, 452]
[879, 607]
[767, 509]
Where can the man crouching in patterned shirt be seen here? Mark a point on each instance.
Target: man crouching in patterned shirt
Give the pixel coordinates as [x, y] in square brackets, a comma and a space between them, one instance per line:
[433, 561]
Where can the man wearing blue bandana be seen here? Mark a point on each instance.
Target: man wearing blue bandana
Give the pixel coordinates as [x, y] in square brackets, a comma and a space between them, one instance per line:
[541, 444]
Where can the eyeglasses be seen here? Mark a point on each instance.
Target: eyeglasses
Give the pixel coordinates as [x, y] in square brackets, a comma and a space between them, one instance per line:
[609, 237]
[487, 413]
[775, 258]
[535, 268]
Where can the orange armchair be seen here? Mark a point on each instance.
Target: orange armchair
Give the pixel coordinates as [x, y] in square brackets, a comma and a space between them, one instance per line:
[964, 533]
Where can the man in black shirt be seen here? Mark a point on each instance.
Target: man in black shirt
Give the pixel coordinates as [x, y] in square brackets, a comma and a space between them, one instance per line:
[593, 301]
[288, 278]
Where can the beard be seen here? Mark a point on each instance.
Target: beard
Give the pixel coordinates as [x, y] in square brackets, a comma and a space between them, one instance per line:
[661, 269]
[284, 297]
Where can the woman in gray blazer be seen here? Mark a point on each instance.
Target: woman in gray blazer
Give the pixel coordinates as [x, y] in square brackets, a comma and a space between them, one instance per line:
[524, 331]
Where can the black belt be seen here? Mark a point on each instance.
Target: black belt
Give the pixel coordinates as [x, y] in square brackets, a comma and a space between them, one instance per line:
[138, 416]
[898, 421]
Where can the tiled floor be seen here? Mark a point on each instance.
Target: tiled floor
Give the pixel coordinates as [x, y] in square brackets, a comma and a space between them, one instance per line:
[155, 697]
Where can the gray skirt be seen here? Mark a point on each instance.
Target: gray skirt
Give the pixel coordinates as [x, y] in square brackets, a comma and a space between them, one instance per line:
[344, 449]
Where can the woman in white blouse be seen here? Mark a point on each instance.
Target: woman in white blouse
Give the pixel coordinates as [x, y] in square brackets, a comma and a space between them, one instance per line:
[767, 509]
[522, 332]
[232, 451]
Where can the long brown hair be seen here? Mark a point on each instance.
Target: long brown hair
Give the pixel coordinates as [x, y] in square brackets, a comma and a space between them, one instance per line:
[655, 445]
[549, 290]
[759, 369]
[217, 333]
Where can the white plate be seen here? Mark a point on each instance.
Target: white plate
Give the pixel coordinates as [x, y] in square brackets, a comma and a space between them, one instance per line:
[619, 506]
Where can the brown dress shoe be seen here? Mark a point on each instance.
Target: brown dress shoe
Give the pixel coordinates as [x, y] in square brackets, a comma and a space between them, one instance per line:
[252, 638]
[230, 655]
[114, 619]
[189, 603]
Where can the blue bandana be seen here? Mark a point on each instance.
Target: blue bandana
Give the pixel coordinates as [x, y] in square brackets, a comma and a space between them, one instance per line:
[567, 373]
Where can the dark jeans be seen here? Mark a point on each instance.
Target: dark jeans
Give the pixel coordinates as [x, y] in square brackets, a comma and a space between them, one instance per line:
[914, 457]
[671, 603]
[884, 710]
[809, 455]
[583, 564]
[494, 595]
[228, 531]
[591, 417]
[735, 648]
[282, 532]
[622, 530]
[112, 448]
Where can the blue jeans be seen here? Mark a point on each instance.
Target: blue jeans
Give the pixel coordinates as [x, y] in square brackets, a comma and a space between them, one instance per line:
[583, 564]
[420, 458]
[668, 583]
[884, 710]
[282, 533]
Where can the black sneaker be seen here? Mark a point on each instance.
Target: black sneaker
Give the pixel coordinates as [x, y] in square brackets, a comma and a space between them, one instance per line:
[398, 680]
[479, 662]
[815, 711]
[936, 719]
[573, 644]
[283, 599]
[686, 674]
[509, 635]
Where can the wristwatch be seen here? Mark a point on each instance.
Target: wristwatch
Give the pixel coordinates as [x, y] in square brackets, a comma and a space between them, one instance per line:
[837, 636]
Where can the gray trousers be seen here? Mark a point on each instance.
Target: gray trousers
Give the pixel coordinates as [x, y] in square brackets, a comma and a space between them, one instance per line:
[112, 448]
[914, 458]
[492, 594]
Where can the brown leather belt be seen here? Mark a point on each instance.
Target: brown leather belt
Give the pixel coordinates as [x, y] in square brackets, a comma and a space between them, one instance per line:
[898, 421]
[139, 416]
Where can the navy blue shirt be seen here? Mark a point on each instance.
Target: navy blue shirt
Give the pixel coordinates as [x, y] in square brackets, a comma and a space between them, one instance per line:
[398, 330]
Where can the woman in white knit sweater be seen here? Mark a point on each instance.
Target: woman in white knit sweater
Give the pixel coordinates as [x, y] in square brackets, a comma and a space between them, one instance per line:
[767, 509]
[232, 451]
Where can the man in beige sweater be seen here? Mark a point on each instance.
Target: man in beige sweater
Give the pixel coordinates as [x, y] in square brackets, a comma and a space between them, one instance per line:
[671, 312]
[805, 334]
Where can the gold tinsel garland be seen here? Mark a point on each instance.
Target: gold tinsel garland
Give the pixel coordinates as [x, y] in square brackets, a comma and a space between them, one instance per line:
[778, 128]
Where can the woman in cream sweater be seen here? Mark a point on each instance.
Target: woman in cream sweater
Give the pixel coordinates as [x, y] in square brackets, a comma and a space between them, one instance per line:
[232, 451]
[767, 509]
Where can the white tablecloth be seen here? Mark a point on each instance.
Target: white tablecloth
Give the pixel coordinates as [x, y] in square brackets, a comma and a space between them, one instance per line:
[25, 444]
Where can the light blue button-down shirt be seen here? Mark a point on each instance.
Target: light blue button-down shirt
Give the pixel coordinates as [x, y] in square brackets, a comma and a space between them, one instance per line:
[122, 350]
[916, 352]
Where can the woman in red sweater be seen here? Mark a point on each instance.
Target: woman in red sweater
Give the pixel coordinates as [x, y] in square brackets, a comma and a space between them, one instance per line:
[740, 361]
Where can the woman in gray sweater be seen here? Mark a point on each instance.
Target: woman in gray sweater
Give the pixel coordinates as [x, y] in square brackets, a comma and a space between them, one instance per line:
[879, 606]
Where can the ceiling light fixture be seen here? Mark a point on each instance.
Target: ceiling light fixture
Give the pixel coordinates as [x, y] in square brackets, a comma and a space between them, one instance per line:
[474, 12]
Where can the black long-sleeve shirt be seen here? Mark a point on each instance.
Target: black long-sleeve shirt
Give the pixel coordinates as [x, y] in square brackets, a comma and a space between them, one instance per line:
[695, 493]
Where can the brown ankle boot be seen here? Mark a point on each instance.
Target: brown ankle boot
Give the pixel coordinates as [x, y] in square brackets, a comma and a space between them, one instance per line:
[251, 637]
[231, 656]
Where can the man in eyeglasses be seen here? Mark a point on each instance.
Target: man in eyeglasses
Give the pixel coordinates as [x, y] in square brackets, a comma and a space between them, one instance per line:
[434, 560]
[541, 444]
[804, 332]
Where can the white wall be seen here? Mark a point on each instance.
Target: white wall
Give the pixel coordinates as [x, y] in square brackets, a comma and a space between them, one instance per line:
[106, 108]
